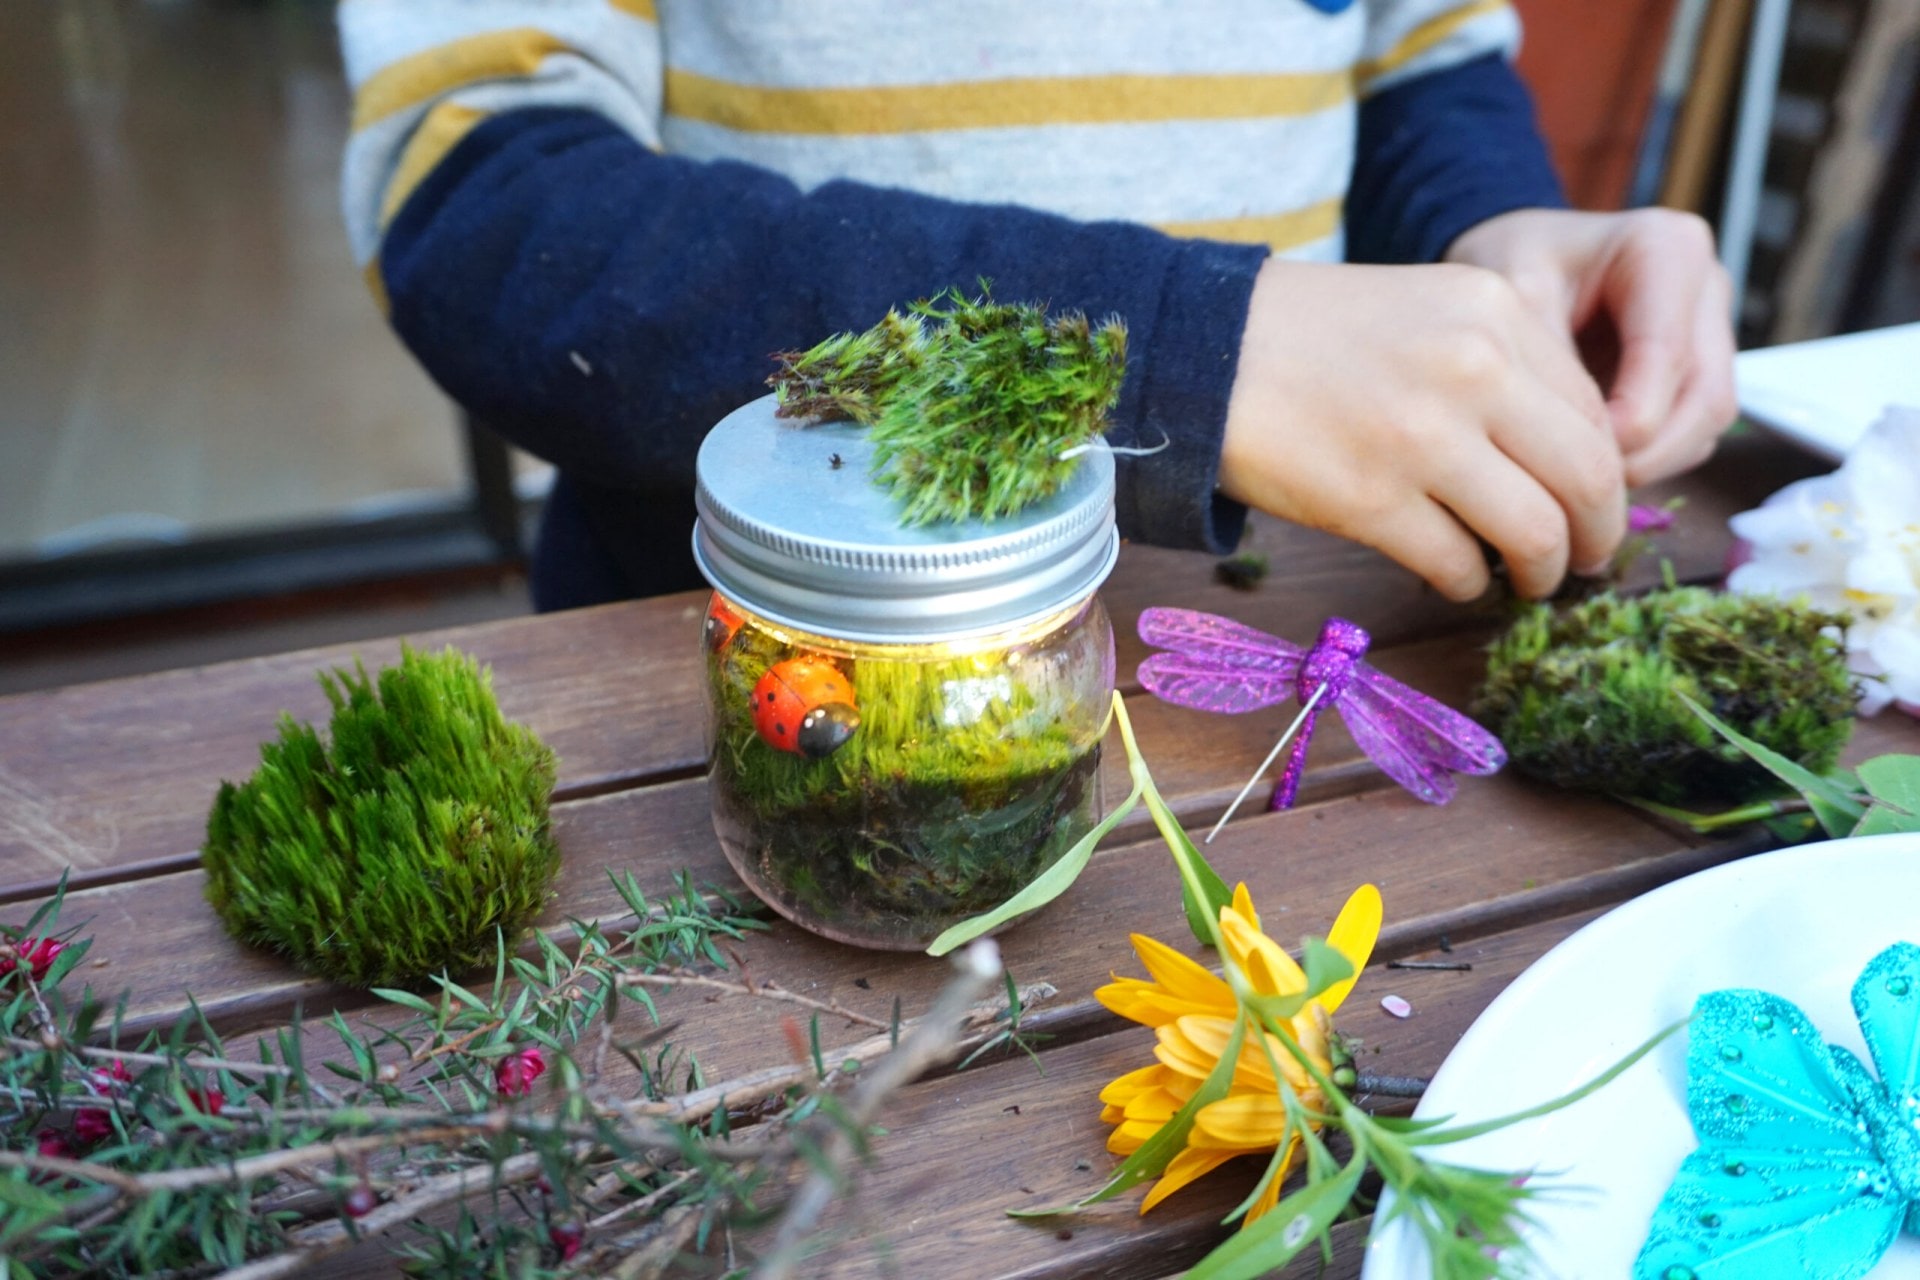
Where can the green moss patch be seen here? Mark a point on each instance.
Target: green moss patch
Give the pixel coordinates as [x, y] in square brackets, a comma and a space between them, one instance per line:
[401, 845]
[1584, 697]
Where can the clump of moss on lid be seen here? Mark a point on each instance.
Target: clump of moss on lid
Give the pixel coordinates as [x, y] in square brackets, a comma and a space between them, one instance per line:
[978, 408]
[1583, 697]
[401, 846]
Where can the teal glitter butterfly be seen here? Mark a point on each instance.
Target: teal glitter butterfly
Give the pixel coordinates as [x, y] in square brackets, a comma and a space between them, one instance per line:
[1808, 1166]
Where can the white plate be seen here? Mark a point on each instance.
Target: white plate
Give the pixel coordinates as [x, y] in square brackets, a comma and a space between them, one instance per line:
[1801, 922]
[1824, 394]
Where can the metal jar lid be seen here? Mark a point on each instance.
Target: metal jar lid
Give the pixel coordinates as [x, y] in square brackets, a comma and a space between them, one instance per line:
[794, 528]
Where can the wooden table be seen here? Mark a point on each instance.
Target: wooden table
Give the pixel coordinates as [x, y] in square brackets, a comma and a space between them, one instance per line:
[112, 782]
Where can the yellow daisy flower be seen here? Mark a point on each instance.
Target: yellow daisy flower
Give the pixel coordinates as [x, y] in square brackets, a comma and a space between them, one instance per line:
[1192, 1012]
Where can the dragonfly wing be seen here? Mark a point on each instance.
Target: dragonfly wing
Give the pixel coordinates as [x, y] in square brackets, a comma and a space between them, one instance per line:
[1208, 686]
[1786, 1181]
[1224, 641]
[1402, 755]
[1441, 733]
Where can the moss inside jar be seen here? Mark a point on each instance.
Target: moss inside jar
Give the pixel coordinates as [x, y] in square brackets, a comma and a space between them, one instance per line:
[905, 720]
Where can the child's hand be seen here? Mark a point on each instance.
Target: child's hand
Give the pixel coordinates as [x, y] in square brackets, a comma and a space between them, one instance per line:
[1642, 297]
[1403, 407]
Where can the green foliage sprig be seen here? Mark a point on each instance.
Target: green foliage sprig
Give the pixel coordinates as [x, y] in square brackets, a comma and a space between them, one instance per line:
[400, 847]
[174, 1153]
[522, 1129]
[1584, 697]
[972, 403]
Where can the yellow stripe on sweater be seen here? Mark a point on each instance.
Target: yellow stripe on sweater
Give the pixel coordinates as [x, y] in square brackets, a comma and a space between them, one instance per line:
[1422, 38]
[497, 55]
[986, 104]
[439, 132]
[377, 286]
[1278, 231]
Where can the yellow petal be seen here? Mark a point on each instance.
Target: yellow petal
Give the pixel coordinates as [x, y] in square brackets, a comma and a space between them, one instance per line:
[1267, 966]
[1149, 1003]
[1154, 1105]
[1271, 1196]
[1243, 905]
[1182, 977]
[1122, 1090]
[1192, 1045]
[1179, 1054]
[1127, 1139]
[1111, 1114]
[1247, 1122]
[1181, 1170]
[1353, 934]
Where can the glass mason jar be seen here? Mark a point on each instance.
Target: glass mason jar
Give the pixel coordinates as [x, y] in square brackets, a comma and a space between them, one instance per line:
[904, 724]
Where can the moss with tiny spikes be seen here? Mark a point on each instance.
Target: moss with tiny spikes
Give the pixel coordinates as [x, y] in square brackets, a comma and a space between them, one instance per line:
[400, 848]
[972, 403]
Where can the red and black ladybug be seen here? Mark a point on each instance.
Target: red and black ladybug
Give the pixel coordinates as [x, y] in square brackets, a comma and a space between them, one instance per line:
[722, 624]
[804, 705]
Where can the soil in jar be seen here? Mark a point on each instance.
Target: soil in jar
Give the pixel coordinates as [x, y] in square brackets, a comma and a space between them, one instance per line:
[967, 777]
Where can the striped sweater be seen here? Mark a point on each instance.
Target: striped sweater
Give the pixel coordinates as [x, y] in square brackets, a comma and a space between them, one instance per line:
[593, 219]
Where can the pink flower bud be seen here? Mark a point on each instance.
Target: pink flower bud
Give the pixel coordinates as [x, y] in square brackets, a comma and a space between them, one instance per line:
[91, 1125]
[39, 953]
[515, 1074]
[360, 1201]
[567, 1237]
[1645, 519]
[208, 1102]
[111, 1082]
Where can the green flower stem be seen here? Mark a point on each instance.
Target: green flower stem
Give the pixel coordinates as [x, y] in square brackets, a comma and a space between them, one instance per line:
[1201, 889]
[1702, 823]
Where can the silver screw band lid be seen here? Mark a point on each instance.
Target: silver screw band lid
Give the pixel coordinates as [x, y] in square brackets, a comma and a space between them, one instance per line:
[814, 543]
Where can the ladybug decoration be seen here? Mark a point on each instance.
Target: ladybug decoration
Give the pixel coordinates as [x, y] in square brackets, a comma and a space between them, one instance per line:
[723, 622]
[804, 705]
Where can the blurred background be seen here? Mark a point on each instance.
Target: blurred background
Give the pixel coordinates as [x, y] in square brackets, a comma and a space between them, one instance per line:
[211, 446]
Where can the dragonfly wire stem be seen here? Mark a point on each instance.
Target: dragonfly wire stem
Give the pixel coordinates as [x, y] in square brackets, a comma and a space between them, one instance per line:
[1266, 764]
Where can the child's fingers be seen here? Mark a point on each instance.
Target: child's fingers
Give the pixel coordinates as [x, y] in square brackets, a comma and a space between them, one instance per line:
[1551, 358]
[1575, 461]
[1704, 410]
[1498, 499]
[1426, 538]
[1653, 287]
[1706, 403]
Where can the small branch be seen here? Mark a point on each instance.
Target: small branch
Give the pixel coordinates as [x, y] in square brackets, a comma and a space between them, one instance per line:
[932, 1039]
[234, 1174]
[567, 988]
[759, 1085]
[313, 1243]
[644, 1203]
[677, 1228]
[154, 1059]
[764, 990]
[1391, 1086]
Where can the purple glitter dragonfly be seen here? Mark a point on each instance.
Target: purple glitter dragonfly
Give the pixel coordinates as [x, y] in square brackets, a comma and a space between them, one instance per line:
[1217, 664]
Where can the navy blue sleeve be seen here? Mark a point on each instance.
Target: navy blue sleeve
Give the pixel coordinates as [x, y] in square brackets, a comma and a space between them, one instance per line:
[1443, 152]
[603, 305]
